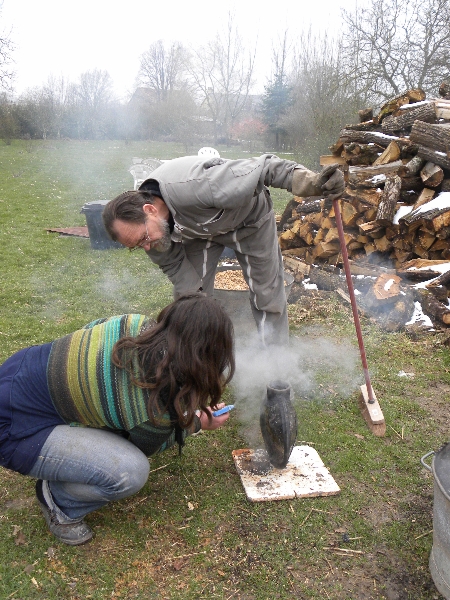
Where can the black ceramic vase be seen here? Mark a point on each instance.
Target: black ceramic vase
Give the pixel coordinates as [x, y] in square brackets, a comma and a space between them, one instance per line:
[278, 422]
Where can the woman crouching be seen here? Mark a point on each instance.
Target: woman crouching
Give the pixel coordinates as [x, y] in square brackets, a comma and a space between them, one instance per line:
[81, 414]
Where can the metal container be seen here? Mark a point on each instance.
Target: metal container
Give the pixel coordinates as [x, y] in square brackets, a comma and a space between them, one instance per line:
[98, 237]
[440, 553]
[278, 422]
[237, 303]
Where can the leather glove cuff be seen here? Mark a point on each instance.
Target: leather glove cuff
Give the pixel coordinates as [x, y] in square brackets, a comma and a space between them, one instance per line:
[305, 183]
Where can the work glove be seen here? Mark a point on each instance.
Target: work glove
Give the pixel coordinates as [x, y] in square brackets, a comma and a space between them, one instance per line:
[329, 183]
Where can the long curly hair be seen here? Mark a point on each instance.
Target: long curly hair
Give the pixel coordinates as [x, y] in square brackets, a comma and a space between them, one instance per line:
[188, 353]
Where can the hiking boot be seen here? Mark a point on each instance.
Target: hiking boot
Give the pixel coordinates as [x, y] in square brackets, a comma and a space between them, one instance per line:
[70, 531]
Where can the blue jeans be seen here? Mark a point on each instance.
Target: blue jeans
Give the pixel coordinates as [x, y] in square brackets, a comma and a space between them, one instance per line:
[86, 468]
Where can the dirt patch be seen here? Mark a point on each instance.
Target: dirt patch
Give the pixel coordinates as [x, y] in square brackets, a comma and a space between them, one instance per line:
[436, 403]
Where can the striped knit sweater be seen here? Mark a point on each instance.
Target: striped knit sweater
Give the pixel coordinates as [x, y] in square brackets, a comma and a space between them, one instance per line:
[88, 389]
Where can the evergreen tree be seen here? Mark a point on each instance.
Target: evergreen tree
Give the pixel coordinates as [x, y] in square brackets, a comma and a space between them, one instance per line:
[275, 103]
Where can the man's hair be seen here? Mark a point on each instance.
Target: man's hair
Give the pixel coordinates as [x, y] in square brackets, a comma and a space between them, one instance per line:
[126, 207]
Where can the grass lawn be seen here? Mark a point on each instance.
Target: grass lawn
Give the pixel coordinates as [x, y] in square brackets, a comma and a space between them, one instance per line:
[190, 532]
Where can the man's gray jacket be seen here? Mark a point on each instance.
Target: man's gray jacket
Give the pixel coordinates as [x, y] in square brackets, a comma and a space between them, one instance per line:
[210, 197]
[217, 203]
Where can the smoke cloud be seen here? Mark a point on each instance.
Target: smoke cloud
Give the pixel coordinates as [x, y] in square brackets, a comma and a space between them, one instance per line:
[314, 366]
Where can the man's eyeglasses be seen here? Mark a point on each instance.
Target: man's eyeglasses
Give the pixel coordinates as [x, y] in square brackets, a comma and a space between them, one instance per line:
[146, 239]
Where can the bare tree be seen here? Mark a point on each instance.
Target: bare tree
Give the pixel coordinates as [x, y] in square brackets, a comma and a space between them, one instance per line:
[222, 74]
[8, 122]
[94, 89]
[162, 68]
[6, 61]
[37, 112]
[57, 92]
[321, 98]
[394, 45]
[90, 102]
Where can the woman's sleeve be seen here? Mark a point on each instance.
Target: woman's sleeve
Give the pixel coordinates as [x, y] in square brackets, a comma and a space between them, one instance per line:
[151, 438]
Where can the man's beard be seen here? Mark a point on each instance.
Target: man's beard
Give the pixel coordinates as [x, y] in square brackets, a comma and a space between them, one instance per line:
[164, 243]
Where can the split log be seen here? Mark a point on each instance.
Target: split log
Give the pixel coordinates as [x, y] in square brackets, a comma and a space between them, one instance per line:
[320, 235]
[368, 125]
[440, 292]
[303, 230]
[419, 251]
[391, 154]
[337, 148]
[441, 220]
[440, 244]
[418, 263]
[299, 268]
[349, 214]
[372, 177]
[371, 137]
[362, 154]
[432, 175]
[368, 269]
[425, 112]
[382, 244]
[443, 234]
[426, 239]
[287, 214]
[326, 281]
[444, 89]
[401, 244]
[438, 158]
[368, 196]
[436, 137]
[333, 235]
[374, 229]
[328, 222]
[413, 166]
[441, 279]
[331, 159]
[392, 105]
[370, 214]
[425, 196]
[366, 114]
[310, 204]
[326, 249]
[413, 183]
[288, 239]
[298, 251]
[442, 109]
[314, 218]
[417, 274]
[432, 306]
[402, 256]
[392, 231]
[389, 199]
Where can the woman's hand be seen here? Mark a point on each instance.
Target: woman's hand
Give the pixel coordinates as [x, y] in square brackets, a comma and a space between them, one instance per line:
[210, 422]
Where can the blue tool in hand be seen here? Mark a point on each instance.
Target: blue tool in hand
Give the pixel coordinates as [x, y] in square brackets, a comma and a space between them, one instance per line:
[223, 410]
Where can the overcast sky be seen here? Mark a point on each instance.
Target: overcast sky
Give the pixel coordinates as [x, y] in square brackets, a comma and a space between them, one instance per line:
[56, 37]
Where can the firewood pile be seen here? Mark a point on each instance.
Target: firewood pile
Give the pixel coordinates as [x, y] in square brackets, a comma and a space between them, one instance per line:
[396, 204]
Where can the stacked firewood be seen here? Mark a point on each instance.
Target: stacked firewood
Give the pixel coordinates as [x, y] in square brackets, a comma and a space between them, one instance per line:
[396, 164]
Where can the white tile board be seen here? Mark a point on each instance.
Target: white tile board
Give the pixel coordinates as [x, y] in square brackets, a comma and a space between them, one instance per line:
[304, 476]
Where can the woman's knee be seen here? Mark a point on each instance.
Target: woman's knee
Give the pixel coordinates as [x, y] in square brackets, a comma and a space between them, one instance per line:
[130, 476]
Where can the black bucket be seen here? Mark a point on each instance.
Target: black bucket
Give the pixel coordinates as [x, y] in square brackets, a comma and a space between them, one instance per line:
[278, 422]
[98, 237]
